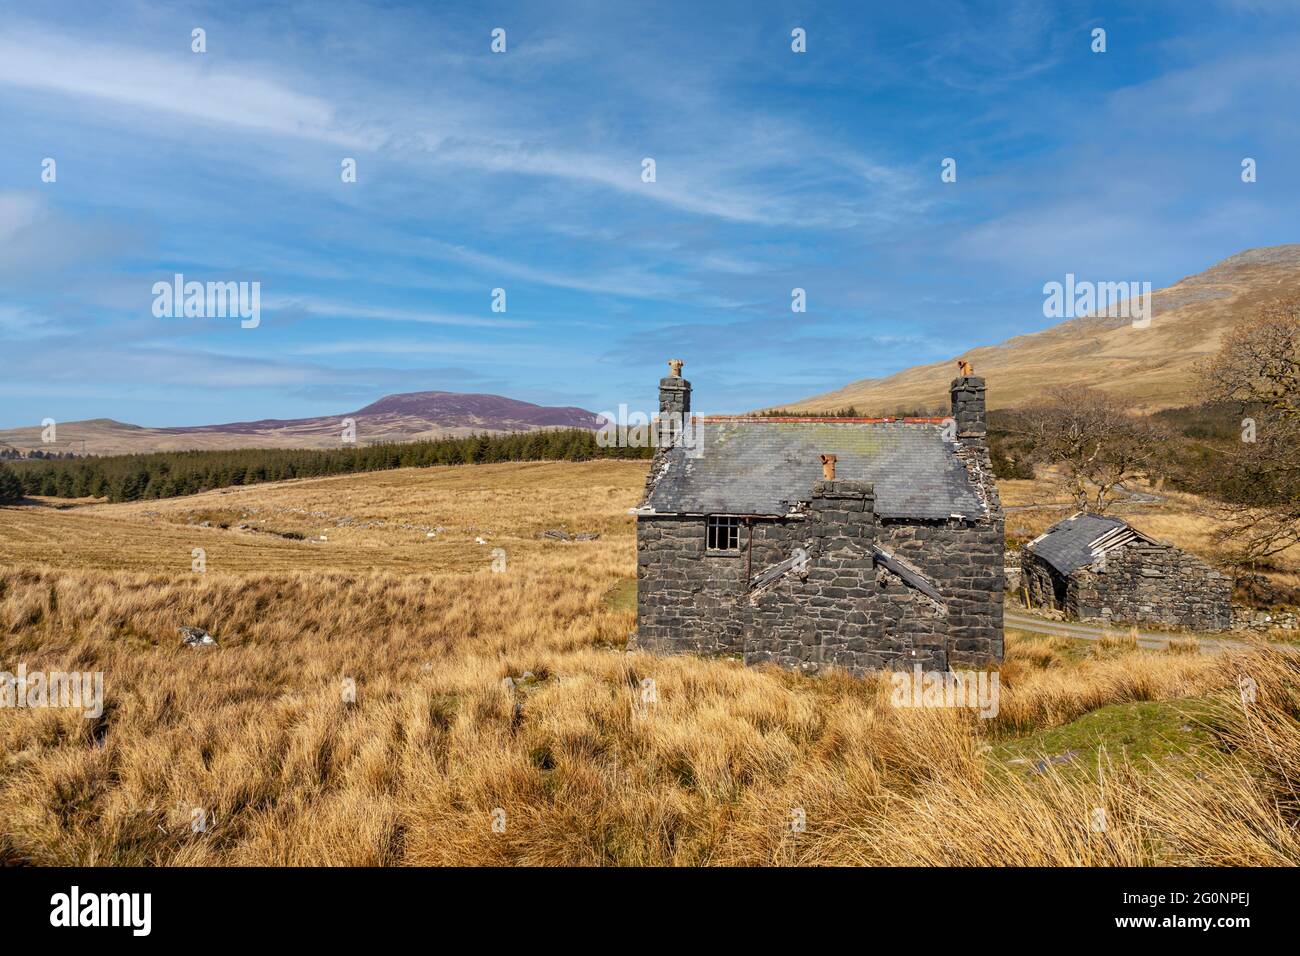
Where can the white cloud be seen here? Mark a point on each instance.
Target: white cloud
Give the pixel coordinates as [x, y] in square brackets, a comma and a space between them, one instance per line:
[346, 310]
[185, 84]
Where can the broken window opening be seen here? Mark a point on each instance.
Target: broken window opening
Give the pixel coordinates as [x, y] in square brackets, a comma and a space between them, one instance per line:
[722, 534]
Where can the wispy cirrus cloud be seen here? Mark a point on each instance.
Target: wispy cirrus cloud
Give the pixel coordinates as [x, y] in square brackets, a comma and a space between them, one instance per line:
[313, 306]
[258, 99]
[179, 84]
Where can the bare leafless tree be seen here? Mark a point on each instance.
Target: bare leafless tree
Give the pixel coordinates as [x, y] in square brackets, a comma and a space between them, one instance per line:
[1258, 368]
[1258, 363]
[1094, 439]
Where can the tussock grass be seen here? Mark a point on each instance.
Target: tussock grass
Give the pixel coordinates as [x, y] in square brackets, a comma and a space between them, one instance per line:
[257, 733]
[1111, 641]
[711, 770]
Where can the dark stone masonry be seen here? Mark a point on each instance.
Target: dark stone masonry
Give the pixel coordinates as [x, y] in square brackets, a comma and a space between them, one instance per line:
[1098, 568]
[745, 547]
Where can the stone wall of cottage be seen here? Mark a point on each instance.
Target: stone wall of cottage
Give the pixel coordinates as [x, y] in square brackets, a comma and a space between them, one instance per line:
[963, 559]
[841, 610]
[1140, 582]
[1157, 583]
[1043, 583]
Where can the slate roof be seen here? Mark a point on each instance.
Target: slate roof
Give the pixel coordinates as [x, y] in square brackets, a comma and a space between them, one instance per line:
[1068, 545]
[765, 466]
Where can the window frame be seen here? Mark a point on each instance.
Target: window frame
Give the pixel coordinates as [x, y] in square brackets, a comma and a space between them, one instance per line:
[724, 528]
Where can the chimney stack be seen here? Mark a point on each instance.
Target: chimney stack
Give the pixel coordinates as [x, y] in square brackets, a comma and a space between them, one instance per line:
[674, 403]
[968, 405]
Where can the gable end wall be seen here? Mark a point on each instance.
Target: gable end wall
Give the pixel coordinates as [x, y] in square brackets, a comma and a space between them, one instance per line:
[1155, 583]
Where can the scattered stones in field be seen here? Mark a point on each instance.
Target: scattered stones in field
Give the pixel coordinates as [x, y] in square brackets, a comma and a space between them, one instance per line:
[192, 636]
[243, 519]
[524, 681]
[559, 534]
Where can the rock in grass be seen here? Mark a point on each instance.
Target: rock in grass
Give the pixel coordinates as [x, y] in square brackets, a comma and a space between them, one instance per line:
[192, 636]
[559, 534]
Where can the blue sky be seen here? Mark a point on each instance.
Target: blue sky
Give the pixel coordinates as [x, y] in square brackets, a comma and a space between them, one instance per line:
[522, 171]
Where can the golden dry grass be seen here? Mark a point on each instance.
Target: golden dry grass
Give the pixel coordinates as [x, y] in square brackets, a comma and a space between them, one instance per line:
[504, 505]
[257, 732]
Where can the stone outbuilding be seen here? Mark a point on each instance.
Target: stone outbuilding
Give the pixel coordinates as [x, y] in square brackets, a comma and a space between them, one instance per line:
[863, 543]
[1098, 567]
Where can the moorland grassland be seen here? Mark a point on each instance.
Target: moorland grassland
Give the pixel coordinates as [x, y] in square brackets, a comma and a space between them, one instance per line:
[386, 580]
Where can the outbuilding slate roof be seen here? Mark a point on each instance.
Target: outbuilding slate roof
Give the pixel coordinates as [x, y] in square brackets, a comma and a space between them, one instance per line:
[1075, 542]
[765, 466]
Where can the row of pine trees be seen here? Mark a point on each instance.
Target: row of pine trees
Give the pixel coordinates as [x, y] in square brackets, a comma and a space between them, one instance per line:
[170, 474]
[11, 489]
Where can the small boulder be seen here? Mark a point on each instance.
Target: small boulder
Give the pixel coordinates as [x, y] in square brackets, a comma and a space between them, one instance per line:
[192, 636]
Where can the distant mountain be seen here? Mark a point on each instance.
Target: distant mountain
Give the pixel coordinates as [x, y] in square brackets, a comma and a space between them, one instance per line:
[503, 414]
[1150, 367]
[410, 416]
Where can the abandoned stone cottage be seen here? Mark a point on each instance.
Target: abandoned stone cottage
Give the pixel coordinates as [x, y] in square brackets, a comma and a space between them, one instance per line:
[1098, 567]
[857, 543]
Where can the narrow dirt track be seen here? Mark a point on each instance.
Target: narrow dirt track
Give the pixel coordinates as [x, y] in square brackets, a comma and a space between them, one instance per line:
[1151, 640]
